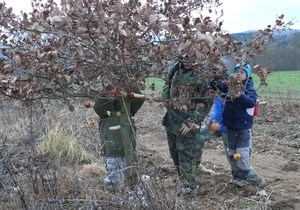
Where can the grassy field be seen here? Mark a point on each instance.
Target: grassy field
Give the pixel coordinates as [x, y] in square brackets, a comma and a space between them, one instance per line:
[281, 84]
[158, 85]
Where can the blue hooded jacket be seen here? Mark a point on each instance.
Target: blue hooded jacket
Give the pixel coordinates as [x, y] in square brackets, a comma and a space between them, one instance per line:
[238, 113]
[215, 113]
[2, 57]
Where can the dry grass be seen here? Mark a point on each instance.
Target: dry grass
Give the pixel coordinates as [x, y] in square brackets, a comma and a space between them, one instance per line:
[49, 170]
[62, 147]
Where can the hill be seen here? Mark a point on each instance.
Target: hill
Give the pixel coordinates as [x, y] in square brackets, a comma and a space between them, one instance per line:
[281, 53]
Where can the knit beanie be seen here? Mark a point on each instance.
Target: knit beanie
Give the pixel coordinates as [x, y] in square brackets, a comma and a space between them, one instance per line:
[245, 66]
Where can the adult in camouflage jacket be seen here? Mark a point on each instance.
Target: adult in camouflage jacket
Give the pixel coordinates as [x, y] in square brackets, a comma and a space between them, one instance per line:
[181, 113]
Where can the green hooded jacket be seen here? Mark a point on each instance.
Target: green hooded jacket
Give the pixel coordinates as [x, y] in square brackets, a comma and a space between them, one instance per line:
[106, 109]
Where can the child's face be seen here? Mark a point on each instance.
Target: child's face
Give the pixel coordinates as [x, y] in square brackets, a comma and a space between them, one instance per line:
[240, 74]
[188, 64]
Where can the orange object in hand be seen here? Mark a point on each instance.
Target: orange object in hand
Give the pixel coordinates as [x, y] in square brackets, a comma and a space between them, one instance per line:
[237, 156]
[215, 126]
[118, 114]
[90, 124]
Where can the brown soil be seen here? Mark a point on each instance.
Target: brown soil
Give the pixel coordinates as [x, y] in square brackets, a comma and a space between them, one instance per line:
[275, 156]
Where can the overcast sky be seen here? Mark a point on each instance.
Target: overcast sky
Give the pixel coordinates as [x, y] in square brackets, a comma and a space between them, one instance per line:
[239, 15]
[243, 15]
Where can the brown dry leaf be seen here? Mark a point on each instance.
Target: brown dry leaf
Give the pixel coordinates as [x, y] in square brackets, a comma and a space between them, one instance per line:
[68, 78]
[86, 40]
[81, 30]
[183, 45]
[17, 59]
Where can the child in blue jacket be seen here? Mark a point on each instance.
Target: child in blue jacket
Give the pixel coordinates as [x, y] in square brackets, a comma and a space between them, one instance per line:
[238, 118]
[235, 117]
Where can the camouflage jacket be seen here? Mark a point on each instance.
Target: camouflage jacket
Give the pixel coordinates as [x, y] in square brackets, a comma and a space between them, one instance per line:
[198, 103]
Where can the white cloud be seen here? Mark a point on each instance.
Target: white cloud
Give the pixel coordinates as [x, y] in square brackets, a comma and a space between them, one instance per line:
[21, 5]
[243, 15]
[239, 15]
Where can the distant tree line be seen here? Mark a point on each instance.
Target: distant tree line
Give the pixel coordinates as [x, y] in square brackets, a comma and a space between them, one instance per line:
[282, 53]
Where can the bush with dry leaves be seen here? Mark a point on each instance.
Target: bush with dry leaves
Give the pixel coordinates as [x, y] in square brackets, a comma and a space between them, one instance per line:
[84, 48]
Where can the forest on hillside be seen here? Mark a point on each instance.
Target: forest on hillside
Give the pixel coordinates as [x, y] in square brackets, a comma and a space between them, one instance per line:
[281, 53]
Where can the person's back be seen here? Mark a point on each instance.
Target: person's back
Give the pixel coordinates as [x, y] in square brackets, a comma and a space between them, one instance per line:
[117, 137]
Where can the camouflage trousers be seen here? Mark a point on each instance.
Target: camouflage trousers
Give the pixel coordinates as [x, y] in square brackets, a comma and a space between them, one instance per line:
[204, 135]
[182, 150]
